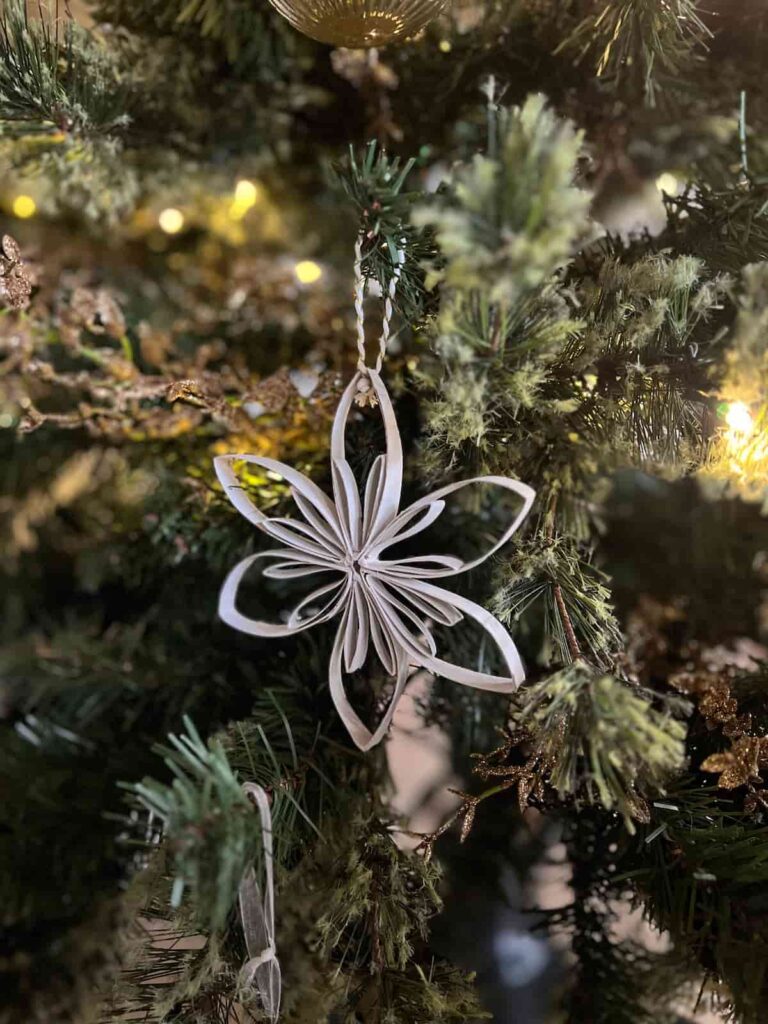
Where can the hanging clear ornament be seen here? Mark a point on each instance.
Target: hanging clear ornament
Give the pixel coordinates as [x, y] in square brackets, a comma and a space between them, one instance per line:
[359, 23]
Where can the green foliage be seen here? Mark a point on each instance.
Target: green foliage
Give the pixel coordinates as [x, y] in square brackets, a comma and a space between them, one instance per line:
[362, 905]
[64, 99]
[610, 964]
[505, 228]
[701, 865]
[437, 994]
[645, 43]
[66, 696]
[726, 224]
[534, 352]
[644, 356]
[373, 181]
[174, 974]
[599, 740]
[211, 826]
[748, 349]
[55, 80]
[738, 459]
[251, 38]
[510, 219]
[550, 577]
[383, 891]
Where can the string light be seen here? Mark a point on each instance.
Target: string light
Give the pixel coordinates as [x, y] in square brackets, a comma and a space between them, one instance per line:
[739, 420]
[246, 196]
[307, 271]
[246, 192]
[668, 183]
[24, 207]
[171, 221]
[747, 440]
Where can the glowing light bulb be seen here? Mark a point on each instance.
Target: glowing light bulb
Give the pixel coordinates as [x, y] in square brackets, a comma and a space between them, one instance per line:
[246, 192]
[307, 271]
[246, 195]
[668, 183]
[739, 419]
[171, 221]
[24, 207]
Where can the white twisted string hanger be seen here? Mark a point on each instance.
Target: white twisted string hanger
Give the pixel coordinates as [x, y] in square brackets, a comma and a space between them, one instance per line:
[365, 393]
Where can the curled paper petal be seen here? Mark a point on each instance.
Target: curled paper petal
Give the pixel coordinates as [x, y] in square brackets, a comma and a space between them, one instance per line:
[386, 604]
[362, 737]
[384, 498]
[334, 596]
[319, 502]
[262, 968]
[399, 528]
[492, 626]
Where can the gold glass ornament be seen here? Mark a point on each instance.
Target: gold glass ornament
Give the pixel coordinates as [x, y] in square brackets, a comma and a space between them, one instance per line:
[357, 23]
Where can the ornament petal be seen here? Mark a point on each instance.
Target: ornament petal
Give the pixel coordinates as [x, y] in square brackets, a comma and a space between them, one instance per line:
[320, 503]
[492, 626]
[302, 538]
[418, 567]
[361, 736]
[399, 529]
[374, 489]
[330, 532]
[357, 631]
[442, 611]
[391, 535]
[334, 595]
[394, 616]
[381, 636]
[347, 503]
[294, 567]
[387, 487]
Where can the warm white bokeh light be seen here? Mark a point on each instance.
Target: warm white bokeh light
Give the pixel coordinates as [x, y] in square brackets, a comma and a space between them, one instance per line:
[668, 183]
[307, 271]
[246, 192]
[24, 207]
[739, 419]
[171, 221]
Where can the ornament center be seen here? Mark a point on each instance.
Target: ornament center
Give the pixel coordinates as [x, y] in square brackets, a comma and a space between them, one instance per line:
[355, 563]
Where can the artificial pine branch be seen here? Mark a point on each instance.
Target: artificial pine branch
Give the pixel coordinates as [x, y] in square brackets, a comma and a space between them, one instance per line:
[593, 737]
[647, 43]
[55, 79]
[510, 220]
[374, 182]
[549, 574]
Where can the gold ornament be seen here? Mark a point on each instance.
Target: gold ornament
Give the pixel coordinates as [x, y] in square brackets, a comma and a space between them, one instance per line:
[357, 23]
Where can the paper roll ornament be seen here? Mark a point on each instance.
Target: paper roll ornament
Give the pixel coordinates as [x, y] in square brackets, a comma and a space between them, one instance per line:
[383, 604]
[359, 23]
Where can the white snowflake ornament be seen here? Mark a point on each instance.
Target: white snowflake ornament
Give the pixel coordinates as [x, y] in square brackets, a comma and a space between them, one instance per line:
[388, 603]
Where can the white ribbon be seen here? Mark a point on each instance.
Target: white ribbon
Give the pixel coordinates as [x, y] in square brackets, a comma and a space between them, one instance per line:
[262, 967]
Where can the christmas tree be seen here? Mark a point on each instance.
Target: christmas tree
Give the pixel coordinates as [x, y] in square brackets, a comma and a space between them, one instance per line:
[526, 242]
